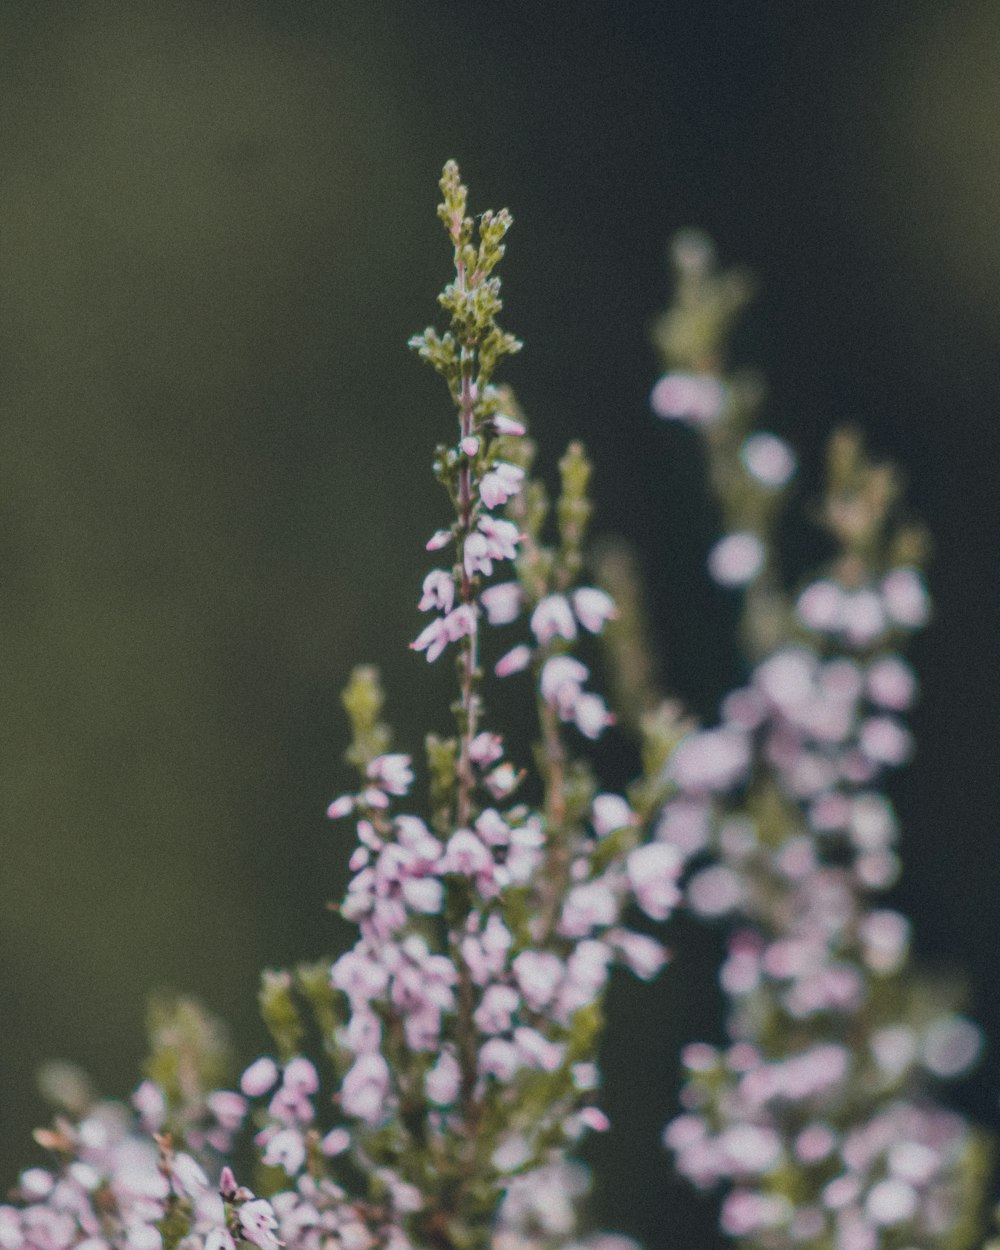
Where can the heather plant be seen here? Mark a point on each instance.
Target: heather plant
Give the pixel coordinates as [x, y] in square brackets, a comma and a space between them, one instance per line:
[818, 1115]
[430, 1086]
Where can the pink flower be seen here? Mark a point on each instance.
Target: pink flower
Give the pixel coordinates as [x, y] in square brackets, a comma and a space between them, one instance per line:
[745, 1213]
[300, 1074]
[501, 536]
[341, 807]
[502, 781]
[228, 1108]
[442, 1083]
[553, 618]
[695, 398]
[586, 976]
[220, 1239]
[151, 1104]
[363, 1032]
[821, 606]
[591, 715]
[501, 602]
[499, 1058]
[890, 1202]
[188, 1176]
[736, 559]
[884, 740]
[524, 853]
[714, 891]
[891, 683]
[587, 907]
[864, 617]
[642, 955]
[788, 677]
[335, 1142]
[951, 1046]
[538, 974]
[259, 1077]
[424, 895]
[652, 871]
[477, 556]
[711, 760]
[507, 425]
[500, 483]
[885, 935]
[768, 459]
[561, 681]
[815, 1143]
[485, 953]
[439, 591]
[445, 629]
[905, 597]
[609, 812]
[594, 1119]
[433, 639]
[365, 1090]
[360, 975]
[286, 1149]
[466, 854]
[496, 1010]
[593, 608]
[492, 828]
[537, 1051]
[486, 749]
[392, 773]
[439, 539]
[515, 661]
[258, 1222]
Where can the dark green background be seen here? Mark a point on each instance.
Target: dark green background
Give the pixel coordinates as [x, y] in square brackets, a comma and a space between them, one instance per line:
[216, 234]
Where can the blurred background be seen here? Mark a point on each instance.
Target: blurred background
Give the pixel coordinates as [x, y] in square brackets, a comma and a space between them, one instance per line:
[217, 232]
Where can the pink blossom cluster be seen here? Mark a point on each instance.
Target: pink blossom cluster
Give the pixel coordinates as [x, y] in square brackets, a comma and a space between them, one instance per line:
[823, 1080]
[895, 1172]
[556, 618]
[525, 989]
[118, 1186]
[315, 1210]
[541, 1208]
[485, 540]
[861, 616]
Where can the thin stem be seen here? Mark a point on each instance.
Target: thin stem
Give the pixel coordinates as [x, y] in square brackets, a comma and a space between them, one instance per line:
[468, 701]
[556, 875]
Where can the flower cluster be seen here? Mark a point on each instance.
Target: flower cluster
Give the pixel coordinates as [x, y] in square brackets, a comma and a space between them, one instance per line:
[817, 1114]
[461, 1029]
[471, 1000]
[120, 1179]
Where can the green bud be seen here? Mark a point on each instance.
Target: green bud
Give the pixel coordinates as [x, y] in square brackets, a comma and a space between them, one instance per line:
[574, 508]
[363, 699]
[188, 1049]
[442, 766]
[454, 194]
[313, 983]
[280, 1013]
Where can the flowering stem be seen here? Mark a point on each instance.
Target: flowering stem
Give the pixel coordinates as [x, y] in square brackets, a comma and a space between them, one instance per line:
[468, 700]
[556, 876]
